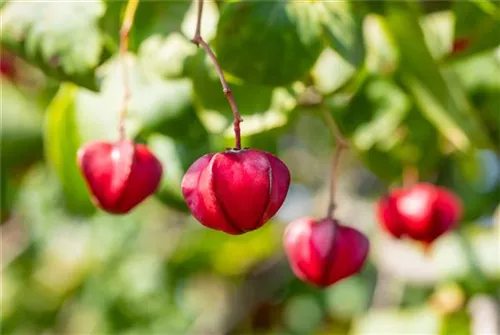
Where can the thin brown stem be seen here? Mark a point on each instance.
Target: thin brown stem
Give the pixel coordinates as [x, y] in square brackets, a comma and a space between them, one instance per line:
[410, 176]
[128, 21]
[333, 179]
[198, 40]
[341, 145]
[198, 20]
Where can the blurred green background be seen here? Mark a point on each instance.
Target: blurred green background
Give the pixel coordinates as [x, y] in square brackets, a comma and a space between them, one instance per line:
[389, 75]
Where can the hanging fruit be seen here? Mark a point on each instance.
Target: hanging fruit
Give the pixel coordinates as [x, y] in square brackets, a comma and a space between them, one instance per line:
[238, 190]
[422, 212]
[120, 175]
[323, 252]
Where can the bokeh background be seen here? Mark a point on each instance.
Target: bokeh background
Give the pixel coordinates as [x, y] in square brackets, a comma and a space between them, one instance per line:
[411, 84]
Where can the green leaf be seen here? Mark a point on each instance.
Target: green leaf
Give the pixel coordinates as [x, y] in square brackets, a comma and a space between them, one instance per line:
[438, 33]
[22, 120]
[471, 17]
[6, 199]
[473, 177]
[343, 27]
[154, 103]
[62, 38]
[443, 103]
[382, 54]
[385, 130]
[457, 323]
[477, 23]
[331, 72]
[62, 142]
[208, 91]
[166, 56]
[269, 43]
[176, 156]
[480, 77]
[157, 17]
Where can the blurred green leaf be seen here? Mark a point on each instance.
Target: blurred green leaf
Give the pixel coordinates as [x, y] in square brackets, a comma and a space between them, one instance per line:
[303, 314]
[62, 38]
[39, 202]
[166, 56]
[153, 104]
[22, 119]
[473, 176]
[382, 54]
[480, 77]
[62, 141]
[331, 72]
[438, 33]
[269, 43]
[158, 17]
[342, 23]
[477, 24]
[386, 130]
[443, 104]
[177, 158]
[250, 98]
[457, 323]
[6, 199]
[348, 298]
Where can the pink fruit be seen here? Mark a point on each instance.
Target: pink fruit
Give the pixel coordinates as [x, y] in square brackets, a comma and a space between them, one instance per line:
[120, 175]
[423, 212]
[324, 252]
[235, 191]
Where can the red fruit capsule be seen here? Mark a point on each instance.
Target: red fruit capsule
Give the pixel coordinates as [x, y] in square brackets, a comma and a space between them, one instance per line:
[324, 252]
[235, 191]
[423, 212]
[120, 175]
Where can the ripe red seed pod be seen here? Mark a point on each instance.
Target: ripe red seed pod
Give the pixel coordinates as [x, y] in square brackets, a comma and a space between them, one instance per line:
[120, 175]
[324, 252]
[235, 191]
[423, 212]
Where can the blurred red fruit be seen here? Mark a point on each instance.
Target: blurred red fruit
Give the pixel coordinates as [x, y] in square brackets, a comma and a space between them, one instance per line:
[423, 212]
[7, 65]
[459, 45]
[120, 175]
[324, 252]
[236, 191]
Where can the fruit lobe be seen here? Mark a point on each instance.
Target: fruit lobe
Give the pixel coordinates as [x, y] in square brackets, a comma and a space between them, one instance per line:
[324, 252]
[423, 212]
[120, 175]
[235, 191]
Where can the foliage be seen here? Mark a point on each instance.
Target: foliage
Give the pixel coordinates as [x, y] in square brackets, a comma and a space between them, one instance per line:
[386, 72]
